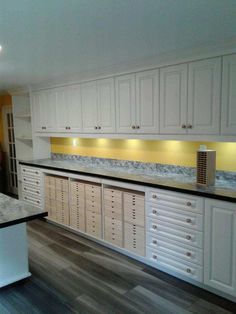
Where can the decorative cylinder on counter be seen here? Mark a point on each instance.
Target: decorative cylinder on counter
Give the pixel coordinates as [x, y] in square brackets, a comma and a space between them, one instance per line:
[206, 166]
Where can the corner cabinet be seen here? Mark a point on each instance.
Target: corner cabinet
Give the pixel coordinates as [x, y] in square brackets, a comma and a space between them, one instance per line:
[228, 121]
[98, 106]
[137, 103]
[220, 246]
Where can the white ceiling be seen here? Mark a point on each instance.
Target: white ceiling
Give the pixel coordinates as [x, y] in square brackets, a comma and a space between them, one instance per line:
[42, 39]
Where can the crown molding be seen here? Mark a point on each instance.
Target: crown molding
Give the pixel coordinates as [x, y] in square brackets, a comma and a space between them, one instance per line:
[19, 91]
[213, 49]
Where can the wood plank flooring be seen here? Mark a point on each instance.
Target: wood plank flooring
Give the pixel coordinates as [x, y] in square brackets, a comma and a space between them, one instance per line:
[71, 274]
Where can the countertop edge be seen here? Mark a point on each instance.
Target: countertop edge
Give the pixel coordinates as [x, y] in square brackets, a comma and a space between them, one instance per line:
[148, 184]
[22, 220]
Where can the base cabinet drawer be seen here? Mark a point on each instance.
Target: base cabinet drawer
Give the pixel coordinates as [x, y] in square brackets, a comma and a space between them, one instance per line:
[175, 233]
[62, 212]
[94, 224]
[32, 200]
[134, 239]
[77, 218]
[183, 268]
[113, 231]
[175, 249]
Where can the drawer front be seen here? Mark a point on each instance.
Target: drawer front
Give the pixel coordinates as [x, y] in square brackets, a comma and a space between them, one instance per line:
[184, 268]
[50, 206]
[94, 224]
[186, 219]
[34, 182]
[175, 249]
[110, 194]
[111, 213]
[32, 200]
[174, 232]
[62, 210]
[92, 190]
[77, 187]
[134, 239]
[62, 196]
[93, 206]
[50, 192]
[132, 217]
[113, 204]
[176, 200]
[50, 181]
[77, 218]
[113, 231]
[133, 198]
[30, 172]
[77, 201]
[35, 192]
[62, 184]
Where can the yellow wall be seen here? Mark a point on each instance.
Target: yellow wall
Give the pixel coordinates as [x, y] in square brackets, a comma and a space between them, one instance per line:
[164, 152]
[5, 100]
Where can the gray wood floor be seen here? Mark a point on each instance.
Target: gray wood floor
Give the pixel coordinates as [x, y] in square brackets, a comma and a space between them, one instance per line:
[71, 274]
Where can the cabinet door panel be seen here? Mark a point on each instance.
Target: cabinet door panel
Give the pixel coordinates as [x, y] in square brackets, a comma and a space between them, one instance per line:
[125, 104]
[173, 99]
[106, 105]
[37, 108]
[220, 246]
[228, 118]
[204, 96]
[49, 110]
[147, 101]
[89, 107]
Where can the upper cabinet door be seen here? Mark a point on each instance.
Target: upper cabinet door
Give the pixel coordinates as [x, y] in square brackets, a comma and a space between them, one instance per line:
[173, 99]
[89, 107]
[37, 99]
[147, 102]
[106, 106]
[69, 113]
[125, 104]
[220, 246]
[49, 111]
[228, 117]
[204, 86]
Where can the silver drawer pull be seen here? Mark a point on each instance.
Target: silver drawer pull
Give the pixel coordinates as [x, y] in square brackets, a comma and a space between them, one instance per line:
[189, 221]
[154, 256]
[188, 270]
[154, 241]
[154, 226]
[188, 254]
[154, 196]
[188, 237]
[189, 204]
[154, 211]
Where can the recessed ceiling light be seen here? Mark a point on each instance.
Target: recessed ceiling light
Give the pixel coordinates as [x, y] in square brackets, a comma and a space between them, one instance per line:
[0, 48]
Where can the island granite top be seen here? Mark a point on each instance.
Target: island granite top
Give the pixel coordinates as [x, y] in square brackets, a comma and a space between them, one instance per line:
[13, 211]
[223, 190]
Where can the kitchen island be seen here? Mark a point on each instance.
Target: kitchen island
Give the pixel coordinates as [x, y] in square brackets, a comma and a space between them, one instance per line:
[13, 238]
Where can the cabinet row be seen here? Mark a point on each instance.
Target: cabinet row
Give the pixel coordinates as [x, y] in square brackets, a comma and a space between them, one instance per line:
[180, 99]
[188, 236]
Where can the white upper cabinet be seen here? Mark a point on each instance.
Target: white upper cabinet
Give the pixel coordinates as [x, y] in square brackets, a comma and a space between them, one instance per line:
[173, 99]
[98, 106]
[137, 102]
[125, 104]
[44, 109]
[89, 107]
[147, 102]
[69, 113]
[106, 106]
[228, 117]
[220, 246]
[204, 85]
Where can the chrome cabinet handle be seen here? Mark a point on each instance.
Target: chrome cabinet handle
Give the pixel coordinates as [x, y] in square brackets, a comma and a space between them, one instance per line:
[188, 270]
[154, 227]
[189, 204]
[95, 127]
[188, 254]
[137, 127]
[154, 256]
[154, 241]
[154, 196]
[99, 128]
[154, 211]
[183, 126]
[189, 221]
[189, 126]
[188, 237]
[133, 127]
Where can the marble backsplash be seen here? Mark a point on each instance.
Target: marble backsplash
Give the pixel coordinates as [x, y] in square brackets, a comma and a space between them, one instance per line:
[140, 167]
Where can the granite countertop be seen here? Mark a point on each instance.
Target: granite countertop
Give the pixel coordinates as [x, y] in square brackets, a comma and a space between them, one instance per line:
[223, 189]
[13, 211]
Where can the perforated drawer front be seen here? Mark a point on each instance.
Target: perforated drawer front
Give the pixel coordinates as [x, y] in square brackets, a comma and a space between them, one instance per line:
[62, 212]
[134, 238]
[134, 208]
[50, 206]
[77, 217]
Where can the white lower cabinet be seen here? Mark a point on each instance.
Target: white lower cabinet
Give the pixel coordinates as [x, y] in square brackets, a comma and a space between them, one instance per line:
[190, 237]
[220, 246]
